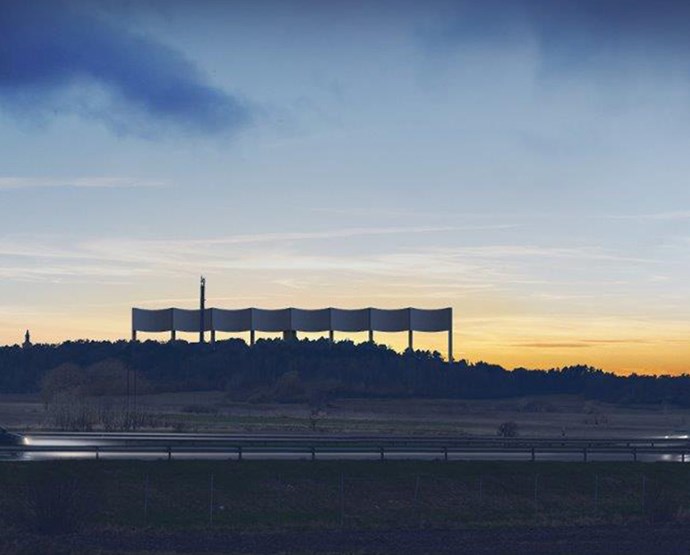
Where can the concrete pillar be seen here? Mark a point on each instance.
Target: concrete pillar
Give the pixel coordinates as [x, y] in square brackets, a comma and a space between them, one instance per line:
[213, 337]
[450, 344]
[134, 335]
[252, 337]
[410, 343]
[173, 336]
[331, 336]
[371, 336]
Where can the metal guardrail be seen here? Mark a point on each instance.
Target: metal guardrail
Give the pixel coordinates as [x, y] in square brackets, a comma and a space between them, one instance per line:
[355, 438]
[313, 446]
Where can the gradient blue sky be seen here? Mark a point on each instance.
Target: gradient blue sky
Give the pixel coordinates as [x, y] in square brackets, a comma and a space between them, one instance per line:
[523, 161]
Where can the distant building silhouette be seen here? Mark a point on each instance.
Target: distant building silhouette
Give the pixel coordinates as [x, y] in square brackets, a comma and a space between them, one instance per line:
[289, 321]
[27, 340]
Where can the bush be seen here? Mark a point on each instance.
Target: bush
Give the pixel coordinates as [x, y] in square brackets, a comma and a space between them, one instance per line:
[64, 378]
[289, 388]
[107, 377]
[70, 412]
[508, 429]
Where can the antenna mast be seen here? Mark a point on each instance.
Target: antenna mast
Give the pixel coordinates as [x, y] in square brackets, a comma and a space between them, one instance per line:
[202, 308]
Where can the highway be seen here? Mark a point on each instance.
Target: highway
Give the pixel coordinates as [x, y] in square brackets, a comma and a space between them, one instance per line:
[151, 446]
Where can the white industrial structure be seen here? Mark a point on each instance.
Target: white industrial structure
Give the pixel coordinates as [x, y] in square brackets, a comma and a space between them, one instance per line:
[289, 321]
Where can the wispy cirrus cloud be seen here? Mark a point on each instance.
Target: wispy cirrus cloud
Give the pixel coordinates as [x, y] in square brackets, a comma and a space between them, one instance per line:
[297, 236]
[172, 255]
[71, 273]
[286, 255]
[94, 182]
[671, 215]
[552, 345]
[56, 58]
[175, 251]
[579, 344]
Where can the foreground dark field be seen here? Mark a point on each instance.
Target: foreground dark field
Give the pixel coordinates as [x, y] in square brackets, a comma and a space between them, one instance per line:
[599, 540]
[340, 507]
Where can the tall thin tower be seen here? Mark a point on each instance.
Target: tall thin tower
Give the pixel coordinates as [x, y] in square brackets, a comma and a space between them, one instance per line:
[202, 308]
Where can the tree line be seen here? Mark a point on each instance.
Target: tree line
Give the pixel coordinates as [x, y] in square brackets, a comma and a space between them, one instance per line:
[304, 370]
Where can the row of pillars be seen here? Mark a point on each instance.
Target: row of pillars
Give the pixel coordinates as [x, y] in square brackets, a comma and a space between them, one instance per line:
[289, 335]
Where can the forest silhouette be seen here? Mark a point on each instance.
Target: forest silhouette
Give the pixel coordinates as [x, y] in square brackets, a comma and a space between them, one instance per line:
[301, 370]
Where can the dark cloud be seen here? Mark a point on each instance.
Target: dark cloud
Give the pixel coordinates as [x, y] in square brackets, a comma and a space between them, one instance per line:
[581, 344]
[574, 33]
[48, 49]
[546, 345]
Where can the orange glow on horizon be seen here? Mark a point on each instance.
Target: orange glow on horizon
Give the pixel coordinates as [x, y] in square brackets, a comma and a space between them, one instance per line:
[658, 354]
[492, 328]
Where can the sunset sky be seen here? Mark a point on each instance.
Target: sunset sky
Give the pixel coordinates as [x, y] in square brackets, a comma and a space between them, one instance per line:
[523, 161]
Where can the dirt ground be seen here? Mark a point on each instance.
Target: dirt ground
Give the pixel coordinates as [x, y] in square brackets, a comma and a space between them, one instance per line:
[536, 416]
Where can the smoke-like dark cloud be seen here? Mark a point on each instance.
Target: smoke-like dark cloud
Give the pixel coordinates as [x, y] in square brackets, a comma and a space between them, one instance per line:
[579, 33]
[47, 49]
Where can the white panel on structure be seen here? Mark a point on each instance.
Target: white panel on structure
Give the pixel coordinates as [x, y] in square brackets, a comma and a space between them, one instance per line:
[271, 320]
[152, 320]
[390, 320]
[231, 320]
[188, 320]
[350, 320]
[310, 320]
[334, 319]
[439, 319]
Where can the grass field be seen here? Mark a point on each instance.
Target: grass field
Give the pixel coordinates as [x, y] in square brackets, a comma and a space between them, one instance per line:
[167, 507]
[535, 416]
[274, 495]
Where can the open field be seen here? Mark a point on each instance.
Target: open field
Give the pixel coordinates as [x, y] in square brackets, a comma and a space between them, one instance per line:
[339, 507]
[600, 540]
[535, 416]
[275, 495]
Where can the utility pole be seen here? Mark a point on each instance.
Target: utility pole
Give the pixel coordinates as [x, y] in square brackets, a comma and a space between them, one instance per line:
[202, 309]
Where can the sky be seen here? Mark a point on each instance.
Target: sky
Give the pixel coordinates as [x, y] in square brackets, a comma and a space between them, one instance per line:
[523, 161]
